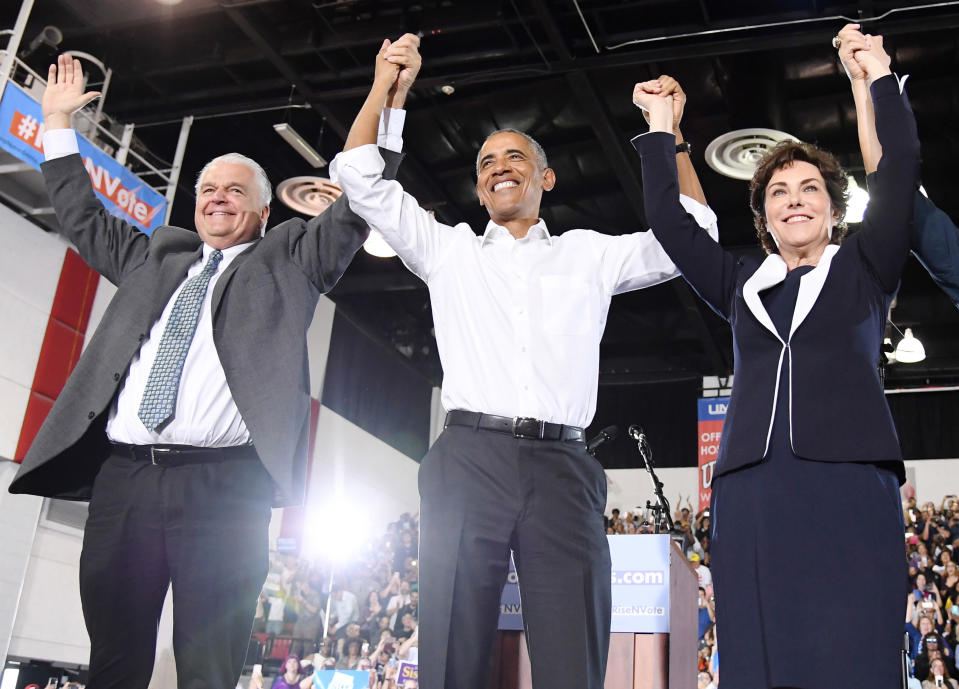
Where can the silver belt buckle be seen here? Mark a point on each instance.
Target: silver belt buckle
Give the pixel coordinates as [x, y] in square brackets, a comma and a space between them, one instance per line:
[527, 427]
[154, 451]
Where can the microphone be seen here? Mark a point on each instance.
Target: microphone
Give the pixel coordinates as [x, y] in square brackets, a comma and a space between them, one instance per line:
[605, 435]
[636, 433]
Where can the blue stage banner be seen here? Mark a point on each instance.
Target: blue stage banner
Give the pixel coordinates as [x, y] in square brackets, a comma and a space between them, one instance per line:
[640, 586]
[123, 194]
[341, 679]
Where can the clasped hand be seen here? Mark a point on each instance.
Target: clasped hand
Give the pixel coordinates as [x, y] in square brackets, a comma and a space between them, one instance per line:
[863, 55]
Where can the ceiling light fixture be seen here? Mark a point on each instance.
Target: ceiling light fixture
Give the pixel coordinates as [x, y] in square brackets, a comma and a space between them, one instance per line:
[909, 350]
[313, 195]
[298, 143]
[735, 154]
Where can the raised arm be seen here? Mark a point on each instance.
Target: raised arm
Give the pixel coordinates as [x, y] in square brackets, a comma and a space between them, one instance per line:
[884, 237]
[851, 40]
[416, 236]
[704, 264]
[109, 245]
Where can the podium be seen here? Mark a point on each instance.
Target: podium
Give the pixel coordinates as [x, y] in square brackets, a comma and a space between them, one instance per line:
[653, 644]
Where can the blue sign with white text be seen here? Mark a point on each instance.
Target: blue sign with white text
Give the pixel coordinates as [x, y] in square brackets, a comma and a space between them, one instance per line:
[122, 193]
[639, 582]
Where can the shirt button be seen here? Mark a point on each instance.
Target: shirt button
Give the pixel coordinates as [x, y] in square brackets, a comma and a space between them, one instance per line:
[520, 312]
[522, 349]
[91, 416]
[141, 337]
[116, 376]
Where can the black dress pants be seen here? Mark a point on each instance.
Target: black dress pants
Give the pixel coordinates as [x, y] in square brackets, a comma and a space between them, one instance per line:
[483, 493]
[202, 526]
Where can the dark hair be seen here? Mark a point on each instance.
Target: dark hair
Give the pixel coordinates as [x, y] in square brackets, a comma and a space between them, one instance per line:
[783, 155]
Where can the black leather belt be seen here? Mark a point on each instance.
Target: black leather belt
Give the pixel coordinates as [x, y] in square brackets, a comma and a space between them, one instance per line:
[516, 426]
[178, 455]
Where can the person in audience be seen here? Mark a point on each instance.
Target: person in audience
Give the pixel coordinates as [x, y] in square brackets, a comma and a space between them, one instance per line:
[344, 607]
[808, 423]
[703, 575]
[704, 680]
[400, 599]
[933, 647]
[705, 618]
[309, 616]
[939, 676]
[291, 677]
[351, 655]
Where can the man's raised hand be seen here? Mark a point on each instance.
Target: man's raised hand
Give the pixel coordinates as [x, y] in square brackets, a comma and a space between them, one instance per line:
[64, 94]
[405, 54]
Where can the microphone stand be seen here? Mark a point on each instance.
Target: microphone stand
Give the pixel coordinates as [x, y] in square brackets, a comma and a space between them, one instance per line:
[662, 516]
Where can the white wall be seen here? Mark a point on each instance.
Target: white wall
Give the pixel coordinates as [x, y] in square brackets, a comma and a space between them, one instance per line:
[934, 478]
[30, 264]
[352, 464]
[49, 623]
[628, 488]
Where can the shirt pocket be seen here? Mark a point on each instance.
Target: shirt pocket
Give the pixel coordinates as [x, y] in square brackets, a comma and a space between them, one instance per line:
[568, 304]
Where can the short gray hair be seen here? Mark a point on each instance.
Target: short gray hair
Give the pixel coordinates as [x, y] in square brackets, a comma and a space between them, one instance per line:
[259, 174]
[538, 151]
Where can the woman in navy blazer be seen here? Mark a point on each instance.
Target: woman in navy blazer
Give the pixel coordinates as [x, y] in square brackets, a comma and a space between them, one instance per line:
[805, 495]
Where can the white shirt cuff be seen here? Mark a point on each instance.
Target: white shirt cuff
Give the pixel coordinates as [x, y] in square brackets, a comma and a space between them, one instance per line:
[58, 143]
[390, 135]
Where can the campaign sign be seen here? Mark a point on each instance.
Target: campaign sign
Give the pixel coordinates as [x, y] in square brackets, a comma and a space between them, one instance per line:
[122, 193]
[407, 672]
[341, 679]
[712, 416]
[639, 582]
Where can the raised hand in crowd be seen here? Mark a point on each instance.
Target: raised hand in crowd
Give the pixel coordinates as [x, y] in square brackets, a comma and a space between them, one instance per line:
[64, 94]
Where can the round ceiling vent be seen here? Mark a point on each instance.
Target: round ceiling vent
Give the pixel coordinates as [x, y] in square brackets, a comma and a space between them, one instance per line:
[308, 195]
[735, 154]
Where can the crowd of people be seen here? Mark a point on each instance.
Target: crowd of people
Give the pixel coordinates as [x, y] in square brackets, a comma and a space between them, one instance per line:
[931, 601]
[373, 607]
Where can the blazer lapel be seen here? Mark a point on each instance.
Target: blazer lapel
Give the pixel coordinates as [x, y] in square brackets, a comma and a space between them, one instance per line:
[173, 269]
[810, 285]
[224, 279]
[772, 271]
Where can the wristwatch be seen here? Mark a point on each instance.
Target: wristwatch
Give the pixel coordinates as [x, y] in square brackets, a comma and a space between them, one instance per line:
[684, 147]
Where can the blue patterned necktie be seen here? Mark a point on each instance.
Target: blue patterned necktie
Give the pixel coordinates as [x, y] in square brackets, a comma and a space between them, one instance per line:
[159, 396]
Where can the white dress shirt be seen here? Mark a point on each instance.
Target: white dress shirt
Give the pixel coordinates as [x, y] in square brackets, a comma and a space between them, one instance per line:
[205, 413]
[518, 321]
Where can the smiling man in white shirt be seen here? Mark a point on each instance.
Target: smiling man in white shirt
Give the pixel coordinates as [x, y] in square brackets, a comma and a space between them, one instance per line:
[518, 314]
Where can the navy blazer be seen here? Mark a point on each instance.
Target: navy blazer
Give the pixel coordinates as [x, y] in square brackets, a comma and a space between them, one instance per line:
[837, 407]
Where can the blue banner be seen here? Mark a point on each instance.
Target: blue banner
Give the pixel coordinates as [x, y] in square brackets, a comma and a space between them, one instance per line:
[122, 193]
[341, 679]
[639, 582]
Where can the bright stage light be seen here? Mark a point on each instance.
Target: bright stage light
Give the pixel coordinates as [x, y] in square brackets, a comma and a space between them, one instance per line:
[335, 529]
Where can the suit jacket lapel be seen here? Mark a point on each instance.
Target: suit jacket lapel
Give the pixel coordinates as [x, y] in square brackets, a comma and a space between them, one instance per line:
[173, 269]
[810, 285]
[772, 271]
[224, 279]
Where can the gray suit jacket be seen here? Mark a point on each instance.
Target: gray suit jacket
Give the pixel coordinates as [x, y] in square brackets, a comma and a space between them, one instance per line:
[262, 307]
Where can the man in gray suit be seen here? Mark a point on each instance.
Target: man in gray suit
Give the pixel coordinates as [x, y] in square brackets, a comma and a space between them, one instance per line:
[187, 416]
